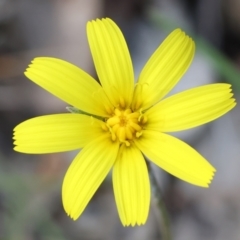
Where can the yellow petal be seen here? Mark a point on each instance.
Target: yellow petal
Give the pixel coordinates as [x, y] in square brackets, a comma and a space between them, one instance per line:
[164, 69]
[69, 83]
[131, 186]
[56, 133]
[176, 157]
[86, 173]
[112, 60]
[191, 108]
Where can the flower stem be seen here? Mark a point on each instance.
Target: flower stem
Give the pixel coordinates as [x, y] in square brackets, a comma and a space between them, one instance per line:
[165, 223]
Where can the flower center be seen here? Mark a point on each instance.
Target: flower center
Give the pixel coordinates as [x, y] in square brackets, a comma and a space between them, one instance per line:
[125, 125]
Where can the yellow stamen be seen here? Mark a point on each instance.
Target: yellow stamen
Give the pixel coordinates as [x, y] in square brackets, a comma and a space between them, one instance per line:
[135, 126]
[138, 134]
[129, 134]
[113, 120]
[121, 134]
[127, 143]
[133, 115]
[117, 112]
[125, 125]
[104, 127]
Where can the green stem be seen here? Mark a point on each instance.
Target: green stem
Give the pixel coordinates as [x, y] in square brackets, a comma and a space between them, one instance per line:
[165, 220]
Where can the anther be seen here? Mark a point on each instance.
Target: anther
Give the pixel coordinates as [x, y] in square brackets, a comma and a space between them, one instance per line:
[138, 134]
[127, 111]
[104, 127]
[117, 112]
[129, 134]
[127, 143]
[112, 121]
[133, 115]
[121, 133]
[135, 126]
[115, 127]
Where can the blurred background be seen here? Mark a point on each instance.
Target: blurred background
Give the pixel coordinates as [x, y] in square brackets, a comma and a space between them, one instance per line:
[30, 185]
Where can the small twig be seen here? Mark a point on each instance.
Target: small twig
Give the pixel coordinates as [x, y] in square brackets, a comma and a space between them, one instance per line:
[165, 223]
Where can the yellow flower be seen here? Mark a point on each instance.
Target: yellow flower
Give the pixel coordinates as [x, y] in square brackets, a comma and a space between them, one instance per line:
[131, 121]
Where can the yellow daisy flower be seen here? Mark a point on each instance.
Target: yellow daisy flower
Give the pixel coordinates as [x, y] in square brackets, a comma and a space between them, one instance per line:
[123, 121]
